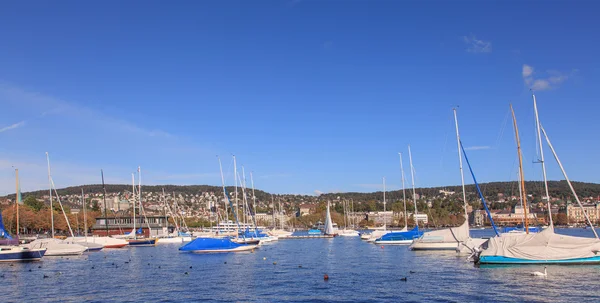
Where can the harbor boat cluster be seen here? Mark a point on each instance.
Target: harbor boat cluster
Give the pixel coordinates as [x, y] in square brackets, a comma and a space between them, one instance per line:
[237, 230]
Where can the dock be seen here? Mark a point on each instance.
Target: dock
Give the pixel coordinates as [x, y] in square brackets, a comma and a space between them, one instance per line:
[306, 237]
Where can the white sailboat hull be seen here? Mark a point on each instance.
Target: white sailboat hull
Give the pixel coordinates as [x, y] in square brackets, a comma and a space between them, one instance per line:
[106, 242]
[56, 247]
[398, 242]
[171, 240]
[237, 249]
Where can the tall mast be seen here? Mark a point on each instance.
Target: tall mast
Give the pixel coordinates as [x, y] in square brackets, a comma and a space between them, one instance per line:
[353, 214]
[105, 208]
[539, 135]
[520, 195]
[462, 175]
[403, 192]
[84, 215]
[134, 198]
[245, 204]
[237, 207]
[50, 186]
[384, 221]
[253, 200]
[412, 175]
[166, 216]
[17, 199]
[224, 194]
[568, 181]
[273, 213]
[522, 176]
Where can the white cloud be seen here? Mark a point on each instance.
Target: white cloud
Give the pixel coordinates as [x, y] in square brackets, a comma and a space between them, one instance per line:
[551, 79]
[49, 105]
[475, 45]
[318, 192]
[16, 125]
[478, 147]
[527, 70]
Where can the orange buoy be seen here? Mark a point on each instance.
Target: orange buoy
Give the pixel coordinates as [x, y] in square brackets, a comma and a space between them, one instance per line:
[325, 277]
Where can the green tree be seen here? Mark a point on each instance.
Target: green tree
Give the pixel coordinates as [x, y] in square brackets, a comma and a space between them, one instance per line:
[33, 203]
[95, 206]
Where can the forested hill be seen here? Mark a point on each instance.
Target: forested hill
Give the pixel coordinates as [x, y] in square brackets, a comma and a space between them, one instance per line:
[557, 189]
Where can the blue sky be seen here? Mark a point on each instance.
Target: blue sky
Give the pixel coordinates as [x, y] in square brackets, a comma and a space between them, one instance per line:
[312, 96]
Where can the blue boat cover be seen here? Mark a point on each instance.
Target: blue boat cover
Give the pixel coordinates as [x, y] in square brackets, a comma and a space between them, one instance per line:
[210, 244]
[3, 232]
[314, 232]
[402, 235]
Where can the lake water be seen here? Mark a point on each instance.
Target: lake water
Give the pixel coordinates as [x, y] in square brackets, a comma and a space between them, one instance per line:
[358, 271]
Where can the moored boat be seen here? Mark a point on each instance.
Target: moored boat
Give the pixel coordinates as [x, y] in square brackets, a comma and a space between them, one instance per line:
[212, 245]
[20, 254]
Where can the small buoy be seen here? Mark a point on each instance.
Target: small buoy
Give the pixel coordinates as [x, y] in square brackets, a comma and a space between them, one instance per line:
[274, 263]
[403, 279]
[264, 258]
[325, 277]
[381, 246]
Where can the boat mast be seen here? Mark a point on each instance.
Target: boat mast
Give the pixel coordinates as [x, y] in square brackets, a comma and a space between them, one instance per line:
[539, 135]
[521, 171]
[384, 221]
[224, 194]
[84, 215]
[412, 175]
[403, 192]
[166, 216]
[50, 185]
[237, 207]
[134, 198]
[253, 201]
[105, 208]
[17, 199]
[568, 181]
[521, 196]
[273, 212]
[462, 175]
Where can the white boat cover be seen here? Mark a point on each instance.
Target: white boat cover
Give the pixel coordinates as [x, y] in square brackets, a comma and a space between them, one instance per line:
[545, 245]
[447, 235]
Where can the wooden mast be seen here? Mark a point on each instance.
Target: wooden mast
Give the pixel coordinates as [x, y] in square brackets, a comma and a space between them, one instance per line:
[522, 185]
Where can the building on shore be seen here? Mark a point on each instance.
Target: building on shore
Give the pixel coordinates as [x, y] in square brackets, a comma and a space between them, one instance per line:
[121, 225]
[575, 213]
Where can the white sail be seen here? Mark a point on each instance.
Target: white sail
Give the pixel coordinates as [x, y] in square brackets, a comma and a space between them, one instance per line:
[328, 223]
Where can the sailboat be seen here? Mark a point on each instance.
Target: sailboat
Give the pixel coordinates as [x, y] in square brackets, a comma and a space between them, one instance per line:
[545, 247]
[404, 236]
[347, 232]
[378, 233]
[328, 229]
[140, 241]
[450, 238]
[94, 241]
[218, 245]
[12, 252]
[57, 247]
